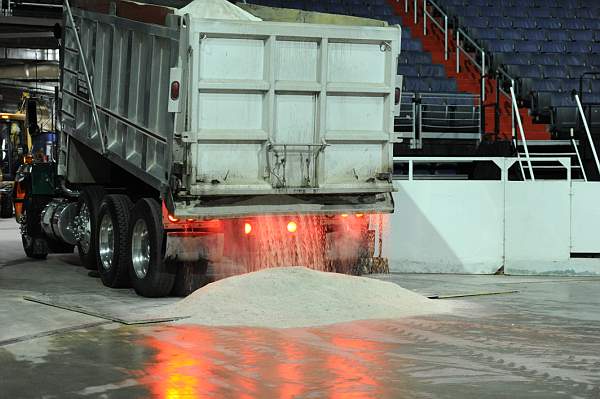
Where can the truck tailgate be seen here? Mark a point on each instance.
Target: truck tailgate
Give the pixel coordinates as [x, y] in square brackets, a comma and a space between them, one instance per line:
[290, 108]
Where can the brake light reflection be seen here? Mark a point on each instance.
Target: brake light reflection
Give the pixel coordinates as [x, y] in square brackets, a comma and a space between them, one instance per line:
[173, 219]
[247, 228]
[292, 227]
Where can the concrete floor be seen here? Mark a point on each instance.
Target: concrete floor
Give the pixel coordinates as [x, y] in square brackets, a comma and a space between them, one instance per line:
[541, 342]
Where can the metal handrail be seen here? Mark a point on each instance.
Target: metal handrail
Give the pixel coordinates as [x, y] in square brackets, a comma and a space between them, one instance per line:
[523, 140]
[443, 28]
[587, 131]
[88, 82]
[578, 156]
[512, 109]
[499, 161]
[461, 33]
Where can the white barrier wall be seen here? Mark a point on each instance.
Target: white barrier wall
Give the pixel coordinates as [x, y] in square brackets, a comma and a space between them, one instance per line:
[479, 226]
[585, 217]
[446, 226]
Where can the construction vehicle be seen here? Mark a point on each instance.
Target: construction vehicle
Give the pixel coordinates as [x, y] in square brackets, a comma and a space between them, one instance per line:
[23, 136]
[191, 146]
[13, 147]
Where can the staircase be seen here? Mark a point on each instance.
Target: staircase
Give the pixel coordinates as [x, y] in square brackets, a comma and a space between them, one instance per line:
[468, 80]
[541, 153]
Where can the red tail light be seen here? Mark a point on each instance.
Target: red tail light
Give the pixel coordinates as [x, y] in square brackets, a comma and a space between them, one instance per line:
[174, 90]
[359, 215]
[172, 219]
[247, 228]
[292, 227]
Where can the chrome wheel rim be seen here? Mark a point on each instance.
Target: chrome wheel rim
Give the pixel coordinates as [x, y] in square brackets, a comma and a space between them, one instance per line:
[140, 248]
[106, 241]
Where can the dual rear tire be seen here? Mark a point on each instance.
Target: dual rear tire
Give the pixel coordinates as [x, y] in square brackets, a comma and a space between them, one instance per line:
[126, 245]
[151, 274]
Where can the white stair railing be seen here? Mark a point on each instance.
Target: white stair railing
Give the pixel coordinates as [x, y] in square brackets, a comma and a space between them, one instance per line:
[587, 131]
[443, 28]
[574, 144]
[522, 134]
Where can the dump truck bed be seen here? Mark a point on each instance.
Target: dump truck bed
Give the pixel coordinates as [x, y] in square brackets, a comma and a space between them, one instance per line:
[263, 108]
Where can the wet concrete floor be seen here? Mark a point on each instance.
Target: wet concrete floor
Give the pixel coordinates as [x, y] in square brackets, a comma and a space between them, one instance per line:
[542, 342]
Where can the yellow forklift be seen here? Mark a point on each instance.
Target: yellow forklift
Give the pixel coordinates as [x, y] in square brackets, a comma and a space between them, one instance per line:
[15, 145]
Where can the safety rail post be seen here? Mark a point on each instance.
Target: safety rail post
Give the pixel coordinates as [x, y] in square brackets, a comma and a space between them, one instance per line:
[523, 139]
[415, 11]
[87, 77]
[574, 144]
[443, 28]
[512, 110]
[445, 37]
[587, 131]
[424, 17]
[406, 6]
[483, 76]
[458, 51]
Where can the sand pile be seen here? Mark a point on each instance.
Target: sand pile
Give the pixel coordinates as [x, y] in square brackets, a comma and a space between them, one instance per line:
[299, 297]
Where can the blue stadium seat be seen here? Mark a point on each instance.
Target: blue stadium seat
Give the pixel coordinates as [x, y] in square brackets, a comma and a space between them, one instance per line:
[431, 70]
[583, 35]
[526, 23]
[557, 35]
[528, 46]
[484, 33]
[407, 70]
[547, 23]
[553, 47]
[571, 23]
[578, 47]
[411, 45]
[524, 71]
[510, 34]
[500, 46]
[414, 57]
[442, 85]
[501, 22]
[555, 71]
[533, 34]
[538, 12]
[416, 86]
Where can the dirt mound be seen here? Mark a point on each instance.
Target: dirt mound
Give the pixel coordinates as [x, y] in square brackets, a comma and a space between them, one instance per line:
[299, 297]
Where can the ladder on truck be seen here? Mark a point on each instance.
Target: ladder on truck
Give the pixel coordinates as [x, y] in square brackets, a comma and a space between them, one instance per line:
[71, 27]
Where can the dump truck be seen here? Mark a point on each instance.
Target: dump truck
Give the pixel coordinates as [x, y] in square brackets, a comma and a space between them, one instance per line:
[194, 145]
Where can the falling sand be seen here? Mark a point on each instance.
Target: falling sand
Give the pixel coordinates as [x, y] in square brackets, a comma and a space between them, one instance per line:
[299, 297]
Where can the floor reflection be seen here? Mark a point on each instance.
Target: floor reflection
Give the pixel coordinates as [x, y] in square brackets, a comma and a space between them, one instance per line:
[202, 362]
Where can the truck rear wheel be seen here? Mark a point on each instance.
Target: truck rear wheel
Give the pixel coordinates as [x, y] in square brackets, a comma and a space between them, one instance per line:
[112, 250]
[6, 207]
[85, 222]
[34, 247]
[191, 276]
[151, 274]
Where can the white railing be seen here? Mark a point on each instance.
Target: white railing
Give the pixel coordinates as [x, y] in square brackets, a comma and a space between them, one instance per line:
[575, 146]
[481, 65]
[443, 28]
[587, 131]
[504, 164]
[522, 134]
[506, 76]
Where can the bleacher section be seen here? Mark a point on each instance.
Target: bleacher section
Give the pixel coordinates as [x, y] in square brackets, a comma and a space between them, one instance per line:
[546, 45]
